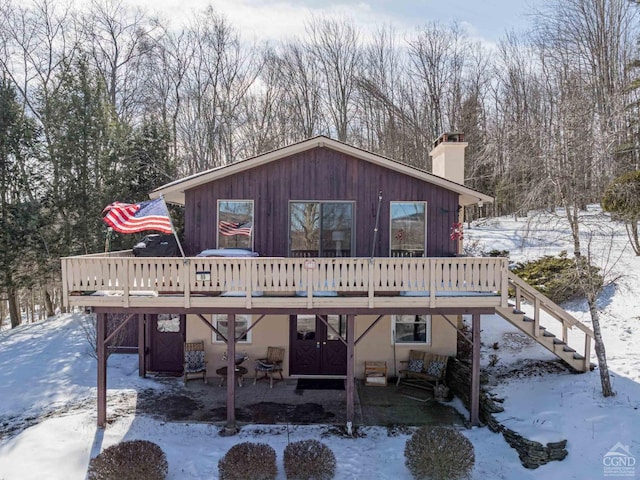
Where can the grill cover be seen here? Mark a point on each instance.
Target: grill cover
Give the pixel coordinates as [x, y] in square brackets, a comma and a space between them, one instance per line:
[156, 245]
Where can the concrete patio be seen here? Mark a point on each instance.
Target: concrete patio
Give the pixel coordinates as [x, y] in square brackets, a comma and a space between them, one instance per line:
[284, 403]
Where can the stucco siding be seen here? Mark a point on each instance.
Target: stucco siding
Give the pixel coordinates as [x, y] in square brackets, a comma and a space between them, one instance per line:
[273, 330]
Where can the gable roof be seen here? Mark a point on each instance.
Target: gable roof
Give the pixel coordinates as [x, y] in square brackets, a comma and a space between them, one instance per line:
[174, 192]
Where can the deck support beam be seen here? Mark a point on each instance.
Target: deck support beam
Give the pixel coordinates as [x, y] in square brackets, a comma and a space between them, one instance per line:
[142, 347]
[350, 387]
[231, 374]
[475, 371]
[101, 351]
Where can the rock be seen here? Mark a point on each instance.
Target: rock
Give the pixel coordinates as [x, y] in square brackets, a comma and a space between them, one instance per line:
[532, 454]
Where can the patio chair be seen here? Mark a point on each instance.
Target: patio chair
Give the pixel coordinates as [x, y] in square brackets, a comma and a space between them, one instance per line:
[270, 366]
[424, 370]
[195, 365]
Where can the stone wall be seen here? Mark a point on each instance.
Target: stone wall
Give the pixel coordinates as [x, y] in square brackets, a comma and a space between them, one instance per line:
[532, 454]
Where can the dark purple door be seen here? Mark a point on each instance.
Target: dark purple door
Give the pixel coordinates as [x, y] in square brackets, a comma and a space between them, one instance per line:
[316, 349]
[165, 340]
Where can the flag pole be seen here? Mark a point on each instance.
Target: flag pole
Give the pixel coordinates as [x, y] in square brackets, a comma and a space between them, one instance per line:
[375, 230]
[173, 229]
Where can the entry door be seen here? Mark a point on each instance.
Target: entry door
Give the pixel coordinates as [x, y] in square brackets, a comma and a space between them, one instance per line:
[316, 349]
[165, 339]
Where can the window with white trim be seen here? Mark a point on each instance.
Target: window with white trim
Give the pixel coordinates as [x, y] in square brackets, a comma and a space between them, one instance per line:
[243, 322]
[411, 329]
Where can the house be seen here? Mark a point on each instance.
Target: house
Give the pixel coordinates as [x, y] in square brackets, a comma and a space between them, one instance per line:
[356, 262]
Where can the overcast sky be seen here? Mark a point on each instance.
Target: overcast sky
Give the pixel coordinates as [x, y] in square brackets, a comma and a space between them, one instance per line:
[276, 19]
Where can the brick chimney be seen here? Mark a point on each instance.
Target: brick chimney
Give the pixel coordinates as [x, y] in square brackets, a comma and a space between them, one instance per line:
[448, 156]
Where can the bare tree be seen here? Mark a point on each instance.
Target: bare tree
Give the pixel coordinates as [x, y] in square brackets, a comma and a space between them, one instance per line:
[302, 85]
[437, 61]
[596, 271]
[335, 46]
[220, 72]
[384, 125]
[264, 124]
[166, 67]
[119, 40]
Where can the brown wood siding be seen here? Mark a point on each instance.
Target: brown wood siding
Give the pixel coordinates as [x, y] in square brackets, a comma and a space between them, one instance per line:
[319, 174]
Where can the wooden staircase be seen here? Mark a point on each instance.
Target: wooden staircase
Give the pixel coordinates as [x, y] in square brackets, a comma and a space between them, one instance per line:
[558, 345]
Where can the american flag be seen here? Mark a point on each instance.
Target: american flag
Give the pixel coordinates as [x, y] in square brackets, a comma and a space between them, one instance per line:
[138, 217]
[229, 229]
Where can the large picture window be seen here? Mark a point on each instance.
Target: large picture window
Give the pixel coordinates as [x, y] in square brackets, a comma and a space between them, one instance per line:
[235, 224]
[243, 322]
[411, 329]
[321, 229]
[408, 229]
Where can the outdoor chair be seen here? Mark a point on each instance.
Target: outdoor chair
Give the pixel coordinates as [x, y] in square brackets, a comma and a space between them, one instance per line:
[270, 366]
[423, 370]
[195, 365]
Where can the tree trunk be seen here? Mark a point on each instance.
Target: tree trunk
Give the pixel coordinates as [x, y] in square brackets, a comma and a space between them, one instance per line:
[574, 223]
[632, 232]
[14, 311]
[600, 350]
[48, 304]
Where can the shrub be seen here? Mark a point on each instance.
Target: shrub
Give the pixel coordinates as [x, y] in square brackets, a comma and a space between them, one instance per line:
[133, 460]
[309, 460]
[555, 276]
[248, 461]
[496, 253]
[439, 453]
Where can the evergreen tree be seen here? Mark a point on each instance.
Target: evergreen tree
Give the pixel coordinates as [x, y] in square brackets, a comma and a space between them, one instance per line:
[20, 211]
[85, 149]
[146, 165]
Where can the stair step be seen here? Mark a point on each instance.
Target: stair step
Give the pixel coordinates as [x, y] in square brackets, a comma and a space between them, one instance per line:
[542, 336]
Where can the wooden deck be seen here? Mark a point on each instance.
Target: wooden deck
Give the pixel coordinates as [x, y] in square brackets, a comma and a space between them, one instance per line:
[262, 283]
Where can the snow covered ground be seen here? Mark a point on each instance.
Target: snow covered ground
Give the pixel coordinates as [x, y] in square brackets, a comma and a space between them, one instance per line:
[47, 390]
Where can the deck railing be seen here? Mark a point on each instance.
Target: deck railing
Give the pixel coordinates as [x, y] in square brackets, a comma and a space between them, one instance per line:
[120, 272]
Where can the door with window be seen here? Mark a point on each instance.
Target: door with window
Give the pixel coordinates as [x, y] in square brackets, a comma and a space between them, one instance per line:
[166, 335]
[316, 347]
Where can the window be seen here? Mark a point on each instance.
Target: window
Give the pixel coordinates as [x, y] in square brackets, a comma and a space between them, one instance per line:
[235, 224]
[168, 322]
[243, 322]
[408, 229]
[321, 229]
[339, 327]
[411, 329]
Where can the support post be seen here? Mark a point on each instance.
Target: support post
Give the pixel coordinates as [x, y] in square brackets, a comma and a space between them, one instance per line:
[231, 374]
[142, 346]
[350, 368]
[101, 351]
[475, 371]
